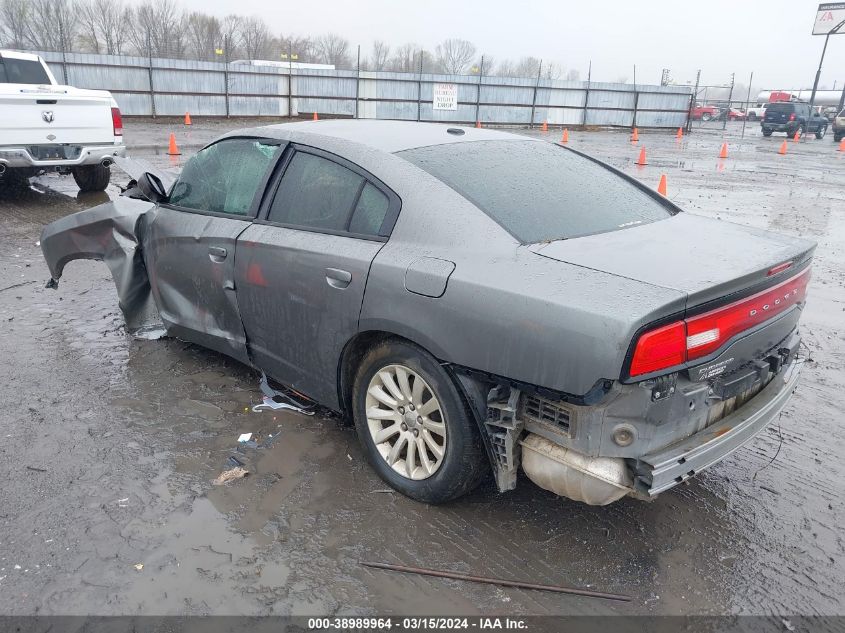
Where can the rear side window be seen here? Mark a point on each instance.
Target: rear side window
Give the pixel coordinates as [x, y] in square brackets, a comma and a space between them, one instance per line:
[315, 193]
[22, 71]
[538, 191]
[369, 212]
[224, 177]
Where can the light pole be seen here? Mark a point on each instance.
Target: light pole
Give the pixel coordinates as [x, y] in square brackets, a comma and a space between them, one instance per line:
[835, 29]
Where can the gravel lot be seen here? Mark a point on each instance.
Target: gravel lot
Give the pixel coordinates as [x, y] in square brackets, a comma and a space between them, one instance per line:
[109, 447]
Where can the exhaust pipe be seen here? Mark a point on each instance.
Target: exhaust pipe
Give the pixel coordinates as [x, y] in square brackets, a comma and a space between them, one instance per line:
[595, 481]
[106, 162]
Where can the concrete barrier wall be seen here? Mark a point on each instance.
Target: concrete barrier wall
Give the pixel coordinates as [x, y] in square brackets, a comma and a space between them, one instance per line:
[171, 87]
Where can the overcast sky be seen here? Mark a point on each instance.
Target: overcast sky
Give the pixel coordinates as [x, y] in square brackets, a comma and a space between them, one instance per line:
[770, 37]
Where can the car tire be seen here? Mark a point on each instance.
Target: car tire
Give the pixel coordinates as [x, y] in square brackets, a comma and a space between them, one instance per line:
[767, 132]
[837, 137]
[821, 132]
[706, 117]
[800, 130]
[92, 177]
[15, 178]
[752, 116]
[416, 402]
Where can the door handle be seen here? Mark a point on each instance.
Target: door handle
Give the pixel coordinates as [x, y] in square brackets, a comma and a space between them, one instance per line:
[337, 278]
[217, 253]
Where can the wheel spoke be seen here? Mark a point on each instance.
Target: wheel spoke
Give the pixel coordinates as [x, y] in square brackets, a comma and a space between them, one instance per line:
[425, 462]
[434, 446]
[417, 391]
[392, 387]
[410, 459]
[386, 433]
[377, 413]
[379, 394]
[397, 448]
[402, 378]
[434, 427]
[429, 407]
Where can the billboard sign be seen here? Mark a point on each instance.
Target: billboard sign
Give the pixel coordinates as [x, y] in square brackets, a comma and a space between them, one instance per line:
[828, 16]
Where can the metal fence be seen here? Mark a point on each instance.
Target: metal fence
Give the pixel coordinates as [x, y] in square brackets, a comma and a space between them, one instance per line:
[171, 87]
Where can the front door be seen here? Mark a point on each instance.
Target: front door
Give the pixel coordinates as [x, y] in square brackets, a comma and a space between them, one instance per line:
[301, 270]
[190, 243]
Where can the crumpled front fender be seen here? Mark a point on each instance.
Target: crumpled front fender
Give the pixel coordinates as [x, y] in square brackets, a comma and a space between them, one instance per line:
[110, 233]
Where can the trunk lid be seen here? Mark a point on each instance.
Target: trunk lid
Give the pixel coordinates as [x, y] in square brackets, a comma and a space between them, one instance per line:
[778, 113]
[704, 258]
[36, 115]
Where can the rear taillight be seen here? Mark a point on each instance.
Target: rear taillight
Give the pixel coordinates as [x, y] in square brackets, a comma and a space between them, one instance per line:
[792, 117]
[698, 336]
[116, 122]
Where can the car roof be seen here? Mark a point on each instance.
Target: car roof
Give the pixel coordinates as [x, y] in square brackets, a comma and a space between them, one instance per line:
[17, 55]
[385, 136]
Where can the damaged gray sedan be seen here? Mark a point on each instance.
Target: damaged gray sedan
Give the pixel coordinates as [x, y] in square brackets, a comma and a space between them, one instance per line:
[475, 301]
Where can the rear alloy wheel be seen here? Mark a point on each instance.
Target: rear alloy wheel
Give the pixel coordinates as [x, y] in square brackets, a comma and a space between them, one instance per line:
[821, 132]
[92, 177]
[414, 426]
[706, 117]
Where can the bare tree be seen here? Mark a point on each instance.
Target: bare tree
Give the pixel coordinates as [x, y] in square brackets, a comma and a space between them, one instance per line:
[256, 39]
[380, 56]
[333, 49]
[302, 48]
[230, 35]
[454, 55]
[89, 35]
[406, 59]
[202, 35]
[157, 29]
[14, 20]
[573, 75]
[52, 25]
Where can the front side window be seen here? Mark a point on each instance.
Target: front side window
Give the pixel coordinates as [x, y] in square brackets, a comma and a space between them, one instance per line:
[224, 177]
[316, 193]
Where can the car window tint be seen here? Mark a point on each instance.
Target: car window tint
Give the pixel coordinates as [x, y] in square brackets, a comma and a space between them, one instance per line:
[538, 191]
[369, 212]
[775, 108]
[224, 177]
[315, 193]
[22, 71]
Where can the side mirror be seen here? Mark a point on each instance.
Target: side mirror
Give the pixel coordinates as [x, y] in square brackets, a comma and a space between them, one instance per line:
[152, 188]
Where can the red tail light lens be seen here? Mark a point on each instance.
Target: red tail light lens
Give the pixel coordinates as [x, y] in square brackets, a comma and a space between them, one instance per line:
[699, 336]
[792, 117]
[117, 122]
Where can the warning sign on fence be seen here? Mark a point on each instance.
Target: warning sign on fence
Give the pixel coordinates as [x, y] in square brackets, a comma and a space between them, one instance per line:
[445, 96]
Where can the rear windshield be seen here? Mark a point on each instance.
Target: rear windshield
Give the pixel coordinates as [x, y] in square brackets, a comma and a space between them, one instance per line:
[22, 71]
[538, 191]
[774, 108]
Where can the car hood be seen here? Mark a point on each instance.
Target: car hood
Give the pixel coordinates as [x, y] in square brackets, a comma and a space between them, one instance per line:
[704, 258]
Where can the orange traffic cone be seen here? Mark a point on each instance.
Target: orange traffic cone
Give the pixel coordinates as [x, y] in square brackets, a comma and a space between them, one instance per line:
[724, 152]
[661, 188]
[316, 118]
[565, 138]
[680, 133]
[842, 145]
[173, 150]
[797, 136]
[187, 118]
[782, 149]
[478, 124]
[545, 126]
[635, 135]
[641, 159]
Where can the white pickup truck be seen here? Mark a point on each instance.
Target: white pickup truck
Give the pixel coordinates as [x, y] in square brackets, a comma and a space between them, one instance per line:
[46, 126]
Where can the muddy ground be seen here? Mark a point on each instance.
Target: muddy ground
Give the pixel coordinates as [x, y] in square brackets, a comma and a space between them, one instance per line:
[108, 447]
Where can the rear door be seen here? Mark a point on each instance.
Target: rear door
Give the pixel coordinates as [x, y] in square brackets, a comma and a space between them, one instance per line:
[189, 246]
[301, 269]
[779, 112]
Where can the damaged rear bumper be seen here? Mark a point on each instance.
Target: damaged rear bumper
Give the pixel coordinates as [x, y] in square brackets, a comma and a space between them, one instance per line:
[660, 470]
